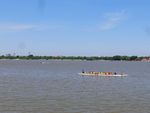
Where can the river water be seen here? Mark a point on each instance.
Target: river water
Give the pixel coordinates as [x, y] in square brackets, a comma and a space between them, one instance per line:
[34, 86]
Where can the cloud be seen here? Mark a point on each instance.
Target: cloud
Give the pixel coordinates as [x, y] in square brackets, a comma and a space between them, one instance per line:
[17, 27]
[112, 20]
[21, 27]
[5, 28]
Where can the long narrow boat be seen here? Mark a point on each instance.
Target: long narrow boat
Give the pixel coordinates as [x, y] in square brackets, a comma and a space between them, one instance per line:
[101, 75]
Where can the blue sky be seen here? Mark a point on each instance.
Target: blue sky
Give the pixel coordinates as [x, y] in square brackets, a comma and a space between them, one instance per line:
[75, 27]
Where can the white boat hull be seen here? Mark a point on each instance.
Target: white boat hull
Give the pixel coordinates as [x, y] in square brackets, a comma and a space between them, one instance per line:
[100, 75]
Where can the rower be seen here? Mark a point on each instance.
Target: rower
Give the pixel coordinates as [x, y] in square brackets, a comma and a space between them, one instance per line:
[82, 70]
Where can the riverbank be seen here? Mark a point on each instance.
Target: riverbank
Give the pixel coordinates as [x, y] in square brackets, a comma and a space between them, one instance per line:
[75, 60]
[79, 58]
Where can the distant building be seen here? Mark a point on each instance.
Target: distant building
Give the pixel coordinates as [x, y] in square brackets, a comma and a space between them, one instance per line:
[8, 54]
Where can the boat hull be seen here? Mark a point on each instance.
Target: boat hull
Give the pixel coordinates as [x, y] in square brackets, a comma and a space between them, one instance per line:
[100, 75]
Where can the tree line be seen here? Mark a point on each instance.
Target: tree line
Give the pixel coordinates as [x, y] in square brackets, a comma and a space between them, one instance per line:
[116, 58]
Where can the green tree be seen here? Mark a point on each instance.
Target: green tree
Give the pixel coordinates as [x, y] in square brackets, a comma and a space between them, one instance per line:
[117, 57]
[133, 57]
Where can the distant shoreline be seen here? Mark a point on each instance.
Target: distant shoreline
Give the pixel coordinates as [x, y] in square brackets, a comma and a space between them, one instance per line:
[74, 60]
[78, 58]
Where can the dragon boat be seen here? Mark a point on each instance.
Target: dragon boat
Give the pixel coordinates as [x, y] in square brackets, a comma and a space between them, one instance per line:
[102, 75]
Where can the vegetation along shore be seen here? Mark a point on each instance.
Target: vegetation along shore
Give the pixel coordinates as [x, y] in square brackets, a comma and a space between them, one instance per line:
[113, 58]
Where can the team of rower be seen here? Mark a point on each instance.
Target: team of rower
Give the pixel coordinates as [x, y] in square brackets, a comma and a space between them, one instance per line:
[100, 73]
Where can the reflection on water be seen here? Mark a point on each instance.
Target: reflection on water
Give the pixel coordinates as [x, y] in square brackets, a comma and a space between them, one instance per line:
[55, 86]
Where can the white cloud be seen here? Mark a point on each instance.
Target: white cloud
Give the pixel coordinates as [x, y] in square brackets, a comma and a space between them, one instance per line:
[20, 27]
[16, 27]
[112, 20]
[7, 28]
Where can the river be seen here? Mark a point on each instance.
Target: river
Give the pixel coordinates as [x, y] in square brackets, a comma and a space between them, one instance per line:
[35, 86]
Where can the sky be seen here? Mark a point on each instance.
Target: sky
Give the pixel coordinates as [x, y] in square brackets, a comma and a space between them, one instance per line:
[75, 27]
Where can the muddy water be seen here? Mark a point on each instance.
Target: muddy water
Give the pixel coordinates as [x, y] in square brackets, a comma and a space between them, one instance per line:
[28, 86]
